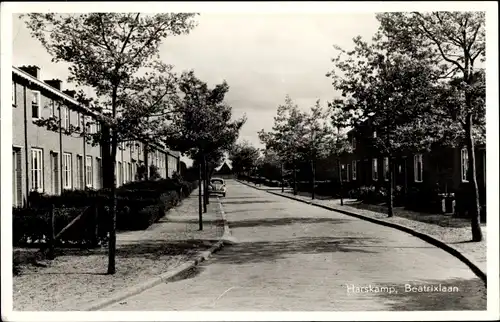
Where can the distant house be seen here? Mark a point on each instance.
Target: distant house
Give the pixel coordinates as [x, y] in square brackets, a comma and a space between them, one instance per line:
[225, 171]
[442, 168]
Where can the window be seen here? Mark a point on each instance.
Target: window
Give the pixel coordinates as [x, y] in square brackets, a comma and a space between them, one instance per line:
[78, 119]
[37, 170]
[347, 171]
[35, 104]
[132, 147]
[354, 142]
[88, 171]
[374, 170]
[386, 168]
[52, 108]
[120, 174]
[130, 177]
[464, 164]
[374, 134]
[65, 118]
[14, 94]
[354, 170]
[67, 170]
[418, 167]
[79, 171]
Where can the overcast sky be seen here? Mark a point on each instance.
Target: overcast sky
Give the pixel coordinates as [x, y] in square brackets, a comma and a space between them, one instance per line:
[263, 57]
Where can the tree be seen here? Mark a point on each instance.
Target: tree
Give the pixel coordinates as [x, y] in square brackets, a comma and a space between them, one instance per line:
[201, 125]
[339, 143]
[109, 52]
[390, 91]
[317, 137]
[243, 157]
[454, 42]
[287, 135]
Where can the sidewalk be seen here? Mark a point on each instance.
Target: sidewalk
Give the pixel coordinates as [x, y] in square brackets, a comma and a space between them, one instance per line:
[77, 278]
[458, 235]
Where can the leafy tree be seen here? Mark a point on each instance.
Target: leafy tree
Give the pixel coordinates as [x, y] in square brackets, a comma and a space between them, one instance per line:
[201, 125]
[390, 91]
[317, 137]
[287, 135]
[339, 144]
[455, 43]
[116, 54]
[243, 157]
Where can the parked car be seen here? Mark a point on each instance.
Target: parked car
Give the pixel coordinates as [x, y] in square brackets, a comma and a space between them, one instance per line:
[217, 186]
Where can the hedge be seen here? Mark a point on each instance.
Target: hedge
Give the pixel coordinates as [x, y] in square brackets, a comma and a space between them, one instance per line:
[139, 205]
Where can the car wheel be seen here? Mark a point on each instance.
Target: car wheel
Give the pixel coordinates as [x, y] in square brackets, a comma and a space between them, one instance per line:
[224, 194]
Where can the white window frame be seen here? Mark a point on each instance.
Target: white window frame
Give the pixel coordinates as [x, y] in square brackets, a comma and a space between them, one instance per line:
[37, 104]
[14, 94]
[418, 158]
[67, 160]
[89, 171]
[65, 118]
[374, 169]
[354, 170]
[385, 165]
[464, 164]
[37, 185]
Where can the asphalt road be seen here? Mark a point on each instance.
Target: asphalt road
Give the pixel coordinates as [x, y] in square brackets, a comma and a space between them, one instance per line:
[291, 256]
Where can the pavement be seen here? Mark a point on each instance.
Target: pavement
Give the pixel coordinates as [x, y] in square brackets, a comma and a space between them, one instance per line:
[291, 256]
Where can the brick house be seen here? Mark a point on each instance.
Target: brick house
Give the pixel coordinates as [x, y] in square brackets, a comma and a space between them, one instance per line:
[442, 167]
[51, 161]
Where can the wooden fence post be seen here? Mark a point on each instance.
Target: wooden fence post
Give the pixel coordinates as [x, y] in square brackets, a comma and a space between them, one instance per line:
[51, 233]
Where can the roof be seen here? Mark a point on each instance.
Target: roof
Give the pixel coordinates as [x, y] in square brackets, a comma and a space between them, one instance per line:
[21, 73]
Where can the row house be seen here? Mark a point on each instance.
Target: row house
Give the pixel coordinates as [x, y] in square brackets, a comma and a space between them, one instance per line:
[444, 168]
[50, 161]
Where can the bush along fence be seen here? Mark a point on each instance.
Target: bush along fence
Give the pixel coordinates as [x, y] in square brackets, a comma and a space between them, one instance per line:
[79, 218]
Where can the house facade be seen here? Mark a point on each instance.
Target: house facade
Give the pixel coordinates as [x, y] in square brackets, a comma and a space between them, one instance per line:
[443, 168]
[51, 161]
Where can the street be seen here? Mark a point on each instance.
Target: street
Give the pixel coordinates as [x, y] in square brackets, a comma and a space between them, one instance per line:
[291, 256]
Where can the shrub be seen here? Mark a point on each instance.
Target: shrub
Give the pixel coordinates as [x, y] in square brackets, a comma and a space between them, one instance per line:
[139, 204]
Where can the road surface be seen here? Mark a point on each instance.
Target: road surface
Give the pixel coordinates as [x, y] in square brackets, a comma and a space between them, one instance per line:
[291, 256]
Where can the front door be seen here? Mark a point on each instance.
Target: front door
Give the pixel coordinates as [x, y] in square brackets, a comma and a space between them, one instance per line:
[54, 163]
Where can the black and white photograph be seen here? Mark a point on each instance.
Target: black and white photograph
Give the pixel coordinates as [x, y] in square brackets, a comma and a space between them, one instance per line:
[210, 161]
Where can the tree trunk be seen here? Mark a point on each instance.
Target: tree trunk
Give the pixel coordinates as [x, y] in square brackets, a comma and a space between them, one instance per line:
[294, 178]
[282, 183]
[474, 203]
[112, 221]
[200, 206]
[341, 185]
[207, 181]
[390, 190]
[205, 185]
[313, 176]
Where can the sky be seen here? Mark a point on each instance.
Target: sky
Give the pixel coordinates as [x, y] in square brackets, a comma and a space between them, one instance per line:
[262, 56]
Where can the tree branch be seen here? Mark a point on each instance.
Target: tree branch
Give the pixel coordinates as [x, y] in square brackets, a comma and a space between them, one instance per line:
[129, 34]
[438, 44]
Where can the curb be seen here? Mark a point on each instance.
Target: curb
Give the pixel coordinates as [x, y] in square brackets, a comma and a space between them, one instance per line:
[431, 240]
[167, 276]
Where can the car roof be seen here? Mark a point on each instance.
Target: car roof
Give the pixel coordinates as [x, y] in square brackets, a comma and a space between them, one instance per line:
[217, 179]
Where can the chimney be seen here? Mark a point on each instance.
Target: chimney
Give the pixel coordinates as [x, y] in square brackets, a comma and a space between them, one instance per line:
[32, 70]
[56, 83]
[70, 92]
